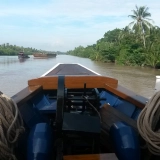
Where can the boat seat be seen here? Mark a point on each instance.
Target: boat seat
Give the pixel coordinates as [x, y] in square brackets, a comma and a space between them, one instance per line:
[40, 142]
[125, 141]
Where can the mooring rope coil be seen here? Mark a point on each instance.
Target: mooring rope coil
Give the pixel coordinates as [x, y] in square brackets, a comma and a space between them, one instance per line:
[147, 121]
[11, 125]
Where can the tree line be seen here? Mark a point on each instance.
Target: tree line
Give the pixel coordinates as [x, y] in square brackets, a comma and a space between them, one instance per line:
[7, 49]
[11, 50]
[137, 44]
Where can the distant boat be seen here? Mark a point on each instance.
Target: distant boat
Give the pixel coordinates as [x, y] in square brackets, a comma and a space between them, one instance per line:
[21, 55]
[44, 55]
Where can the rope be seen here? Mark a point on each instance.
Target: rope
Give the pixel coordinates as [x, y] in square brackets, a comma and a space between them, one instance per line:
[93, 107]
[11, 125]
[147, 124]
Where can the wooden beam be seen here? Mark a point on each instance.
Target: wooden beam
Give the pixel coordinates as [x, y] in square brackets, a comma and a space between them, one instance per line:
[110, 84]
[75, 82]
[108, 156]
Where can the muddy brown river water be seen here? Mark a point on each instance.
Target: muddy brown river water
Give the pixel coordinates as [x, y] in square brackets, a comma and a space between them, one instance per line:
[14, 74]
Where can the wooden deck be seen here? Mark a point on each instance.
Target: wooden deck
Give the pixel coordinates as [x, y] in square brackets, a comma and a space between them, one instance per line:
[109, 156]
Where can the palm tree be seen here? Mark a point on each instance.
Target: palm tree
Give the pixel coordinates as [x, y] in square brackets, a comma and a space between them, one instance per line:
[141, 21]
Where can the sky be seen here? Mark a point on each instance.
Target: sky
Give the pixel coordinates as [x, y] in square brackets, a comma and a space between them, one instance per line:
[62, 25]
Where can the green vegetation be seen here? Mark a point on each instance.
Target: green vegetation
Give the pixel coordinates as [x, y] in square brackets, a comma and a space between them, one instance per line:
[11, 50]
[6, 49]
[135, 45]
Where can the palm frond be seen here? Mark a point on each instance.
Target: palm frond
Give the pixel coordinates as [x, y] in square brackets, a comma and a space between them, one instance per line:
[133, 17]
[131, 24]
[146, 9]
[146, 15]
[144, 27]
[137, 8]
[127, 29]
[150, 20]
[141, 10]
[135, 13]
[156, 27]
[148, 24]
[136, 28]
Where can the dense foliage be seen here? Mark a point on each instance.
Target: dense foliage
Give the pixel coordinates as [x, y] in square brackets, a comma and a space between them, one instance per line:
[7, 49]
[136, 44]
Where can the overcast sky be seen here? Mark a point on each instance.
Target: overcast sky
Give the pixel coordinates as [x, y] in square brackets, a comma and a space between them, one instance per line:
[62, 25]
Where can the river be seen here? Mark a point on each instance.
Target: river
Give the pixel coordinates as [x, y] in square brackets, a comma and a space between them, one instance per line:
[14, 74]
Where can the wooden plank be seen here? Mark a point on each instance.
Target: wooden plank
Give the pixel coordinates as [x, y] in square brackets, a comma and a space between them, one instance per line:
[108, 156]
[110, 84]
[92, 82]
[74, 82]
[110, 115]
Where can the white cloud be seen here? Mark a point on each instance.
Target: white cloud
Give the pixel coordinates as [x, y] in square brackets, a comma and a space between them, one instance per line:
[63, 25]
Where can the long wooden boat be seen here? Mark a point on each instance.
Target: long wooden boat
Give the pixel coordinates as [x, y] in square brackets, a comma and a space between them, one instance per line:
[73, 113]
[21, 55]
[44, 55]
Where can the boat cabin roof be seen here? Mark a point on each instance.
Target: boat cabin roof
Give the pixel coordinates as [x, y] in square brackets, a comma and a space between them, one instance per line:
[69, 69]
